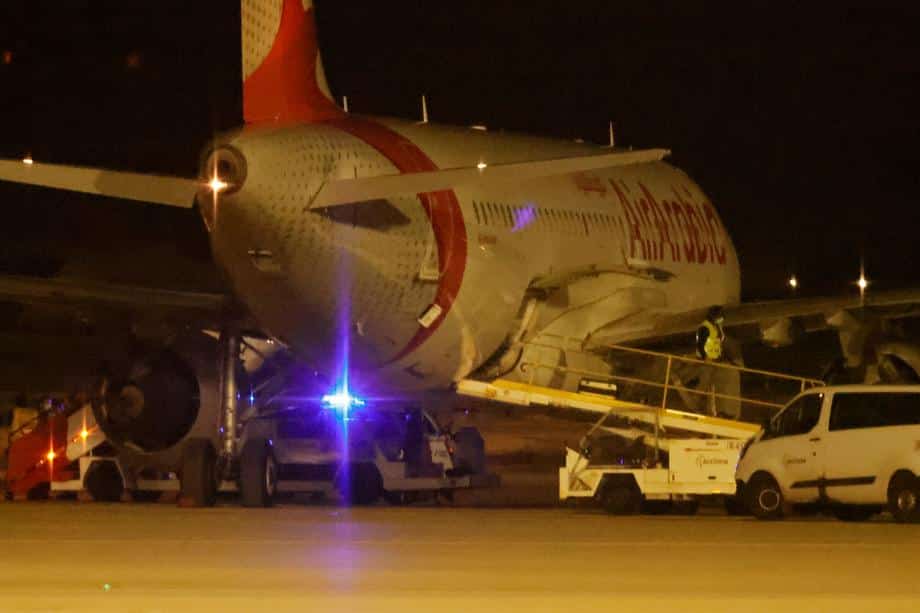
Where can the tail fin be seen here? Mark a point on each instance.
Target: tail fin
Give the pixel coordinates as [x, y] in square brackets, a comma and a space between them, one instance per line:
[283, 78]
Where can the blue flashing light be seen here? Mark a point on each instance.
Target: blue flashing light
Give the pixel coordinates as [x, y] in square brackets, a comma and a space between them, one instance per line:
[342, 401]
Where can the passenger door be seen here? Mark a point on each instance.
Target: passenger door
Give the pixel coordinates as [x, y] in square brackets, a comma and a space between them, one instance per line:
[794, 440]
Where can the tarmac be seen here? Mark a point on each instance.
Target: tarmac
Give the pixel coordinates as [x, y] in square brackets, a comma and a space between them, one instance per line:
[65, 556]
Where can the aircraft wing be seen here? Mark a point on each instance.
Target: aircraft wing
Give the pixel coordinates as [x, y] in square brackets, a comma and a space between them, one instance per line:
[156, 189]
[348, 191]
[204, 309]
[811, 313]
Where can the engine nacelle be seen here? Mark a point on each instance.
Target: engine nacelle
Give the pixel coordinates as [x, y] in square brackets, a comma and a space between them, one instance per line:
[781, 333]
[898, 362]
[149, 406]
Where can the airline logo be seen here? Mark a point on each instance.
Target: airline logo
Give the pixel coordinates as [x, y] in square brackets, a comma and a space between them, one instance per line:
[670, 229]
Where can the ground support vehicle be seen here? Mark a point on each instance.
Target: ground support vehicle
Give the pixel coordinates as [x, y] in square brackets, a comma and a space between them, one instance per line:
[853, 450]
[644, 454]
[400, 456]
[623, 481]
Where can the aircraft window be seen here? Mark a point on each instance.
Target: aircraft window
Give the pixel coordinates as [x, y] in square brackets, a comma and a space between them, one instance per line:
[874, 410]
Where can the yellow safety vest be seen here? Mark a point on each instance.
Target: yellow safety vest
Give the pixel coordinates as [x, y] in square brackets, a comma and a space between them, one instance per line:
[713, 346]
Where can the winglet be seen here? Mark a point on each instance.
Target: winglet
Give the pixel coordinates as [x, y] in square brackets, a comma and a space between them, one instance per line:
[283, 78]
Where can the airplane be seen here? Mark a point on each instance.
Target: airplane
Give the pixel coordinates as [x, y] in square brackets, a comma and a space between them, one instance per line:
[415, 254]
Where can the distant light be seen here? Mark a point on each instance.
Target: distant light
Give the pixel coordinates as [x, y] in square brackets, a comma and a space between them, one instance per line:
[482, 165]
[133, 60]
[7, 57]
[480, 128]
[51, 455]
[793, 282]
[28, 160]
[84, 434]
[217, 185]
[863, 283]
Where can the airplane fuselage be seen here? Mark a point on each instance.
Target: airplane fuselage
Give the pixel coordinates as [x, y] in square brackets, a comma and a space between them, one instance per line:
[421, 290]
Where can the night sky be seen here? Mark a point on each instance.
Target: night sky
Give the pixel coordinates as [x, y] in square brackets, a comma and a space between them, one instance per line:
[801, 124]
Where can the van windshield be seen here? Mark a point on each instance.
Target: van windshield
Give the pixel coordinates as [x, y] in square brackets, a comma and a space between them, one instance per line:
[800, 417]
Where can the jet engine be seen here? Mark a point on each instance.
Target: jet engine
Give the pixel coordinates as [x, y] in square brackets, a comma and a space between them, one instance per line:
[150, 403]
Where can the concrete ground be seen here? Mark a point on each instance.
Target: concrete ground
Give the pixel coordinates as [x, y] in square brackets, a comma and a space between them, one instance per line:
[60, 556]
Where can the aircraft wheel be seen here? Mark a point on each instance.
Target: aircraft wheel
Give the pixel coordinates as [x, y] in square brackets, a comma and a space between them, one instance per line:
[258, 474]
[198, 477]
[103, 481]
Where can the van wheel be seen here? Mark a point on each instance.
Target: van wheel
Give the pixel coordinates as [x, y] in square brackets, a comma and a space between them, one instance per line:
[853, 513]
[904, 498]
[620, 499]
[764, 498]
[258, 474]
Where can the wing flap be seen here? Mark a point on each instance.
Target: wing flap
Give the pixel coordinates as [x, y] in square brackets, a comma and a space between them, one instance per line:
[347, 191]
[156, 189]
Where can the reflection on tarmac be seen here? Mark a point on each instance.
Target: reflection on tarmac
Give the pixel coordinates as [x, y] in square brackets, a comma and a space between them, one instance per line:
[61, 556]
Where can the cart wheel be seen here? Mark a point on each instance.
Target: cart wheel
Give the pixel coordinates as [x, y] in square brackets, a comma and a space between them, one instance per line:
[656, 507]
[734, 506]
[685, 507]
[147, 496]
[620, 499]
[363, 484]
[198, 478]
[103, 481]
[397, 499]
[258, 474]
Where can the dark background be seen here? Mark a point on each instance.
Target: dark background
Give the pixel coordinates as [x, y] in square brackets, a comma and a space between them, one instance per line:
[800, 123]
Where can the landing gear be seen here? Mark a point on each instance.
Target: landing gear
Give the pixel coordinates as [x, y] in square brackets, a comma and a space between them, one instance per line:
[202, 467]
[104, 482]
[258, 474]
[198, 476]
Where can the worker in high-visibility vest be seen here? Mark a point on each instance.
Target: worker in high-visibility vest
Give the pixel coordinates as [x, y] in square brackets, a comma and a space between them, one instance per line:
[710, 337]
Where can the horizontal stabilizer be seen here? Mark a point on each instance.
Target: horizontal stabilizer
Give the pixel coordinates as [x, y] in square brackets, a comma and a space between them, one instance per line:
[170, 191]
[348, 191]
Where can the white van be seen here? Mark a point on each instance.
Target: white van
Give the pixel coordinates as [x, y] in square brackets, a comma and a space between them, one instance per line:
[854, 449]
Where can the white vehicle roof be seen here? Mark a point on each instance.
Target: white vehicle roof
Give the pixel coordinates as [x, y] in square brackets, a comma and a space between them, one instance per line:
[865, 388]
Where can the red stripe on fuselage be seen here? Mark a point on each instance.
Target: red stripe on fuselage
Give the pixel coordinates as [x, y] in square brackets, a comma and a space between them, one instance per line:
[442, 208]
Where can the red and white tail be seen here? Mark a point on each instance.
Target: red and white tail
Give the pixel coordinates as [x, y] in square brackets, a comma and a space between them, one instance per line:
[283, 78]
